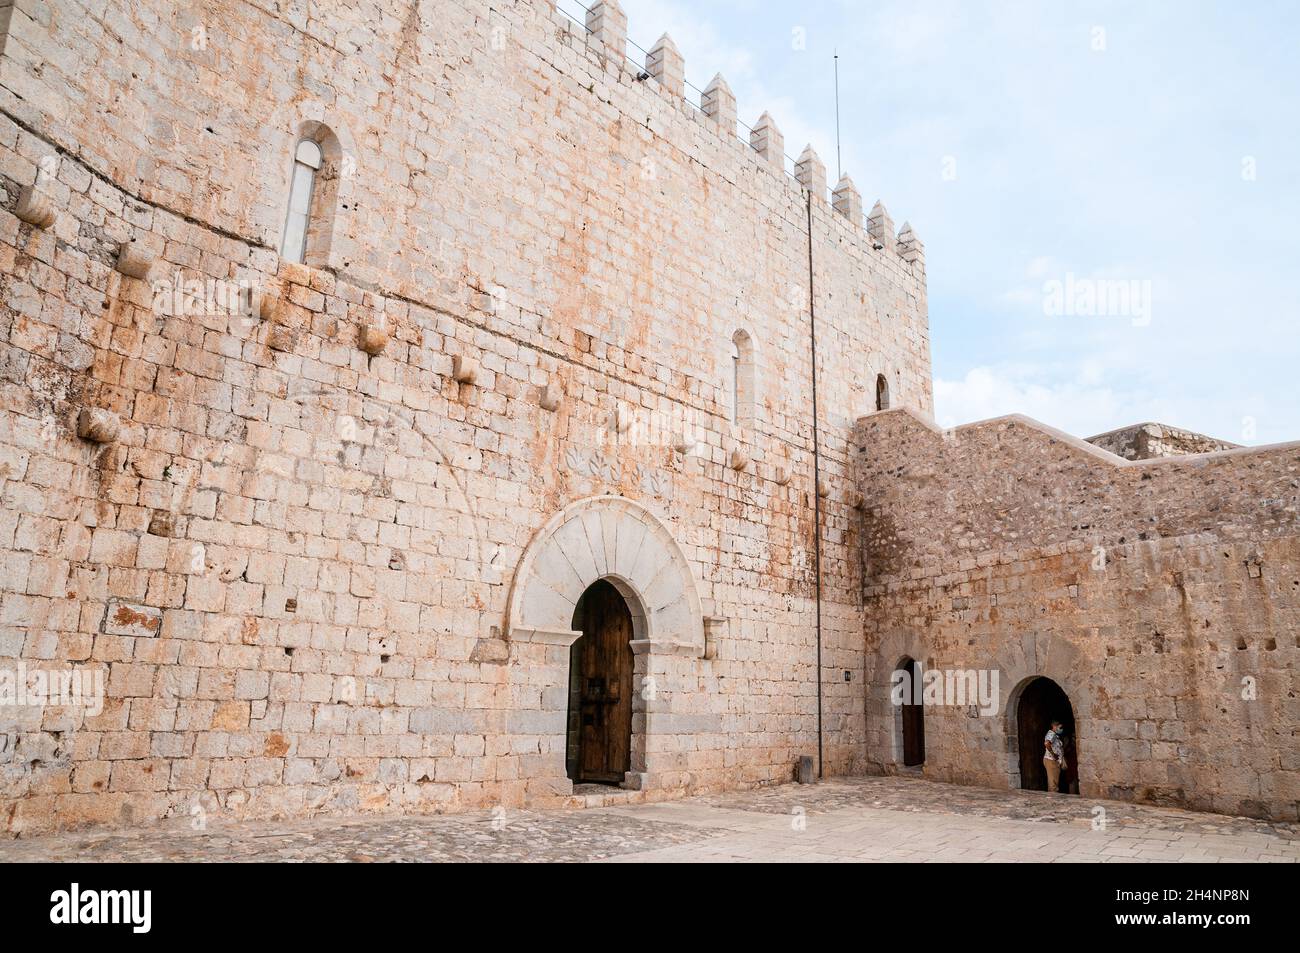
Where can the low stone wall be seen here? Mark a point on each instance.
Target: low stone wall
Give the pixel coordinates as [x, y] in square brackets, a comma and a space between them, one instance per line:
[1162, 596]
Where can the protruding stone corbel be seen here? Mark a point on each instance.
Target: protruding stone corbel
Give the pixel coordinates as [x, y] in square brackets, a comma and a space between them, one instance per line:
[35, 207]
[738, 459]
[857, 500]
[683, 444]
[162, 523]
[718, 102]
[714, 627]
[98, 425]
[810, 170]
[881, 227]
[848, 201]
[464, 369]
[781, 476]
[823, 489]
[282, 337]
[257, 305]
[551, 397]
[134, 260]
[622, 418]
[766, 139]
[372, 337]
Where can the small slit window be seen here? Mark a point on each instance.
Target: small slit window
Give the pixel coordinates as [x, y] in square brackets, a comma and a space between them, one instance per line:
[307, 161]
[742, 379]
[882, 392]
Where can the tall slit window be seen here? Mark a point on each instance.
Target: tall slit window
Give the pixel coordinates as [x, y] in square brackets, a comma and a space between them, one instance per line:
[742, 379]
[735, 382]
[307, 160]
[882, 392]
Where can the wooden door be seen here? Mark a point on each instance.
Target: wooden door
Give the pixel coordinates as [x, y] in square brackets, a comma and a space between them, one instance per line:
[1032, 722]
[605, 686]
[1041, 701]
[913, 723]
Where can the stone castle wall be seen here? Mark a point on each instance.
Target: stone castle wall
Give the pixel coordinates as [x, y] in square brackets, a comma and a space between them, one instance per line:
[1163, 596]
[293, 559]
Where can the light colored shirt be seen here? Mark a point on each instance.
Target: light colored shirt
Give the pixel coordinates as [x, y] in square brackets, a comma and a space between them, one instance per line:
[1055, 750]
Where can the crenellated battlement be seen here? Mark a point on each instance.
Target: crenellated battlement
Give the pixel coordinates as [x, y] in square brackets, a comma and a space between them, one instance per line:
[604, 31]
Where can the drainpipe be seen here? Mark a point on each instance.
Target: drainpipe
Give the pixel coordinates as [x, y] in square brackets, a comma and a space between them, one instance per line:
[817, 482]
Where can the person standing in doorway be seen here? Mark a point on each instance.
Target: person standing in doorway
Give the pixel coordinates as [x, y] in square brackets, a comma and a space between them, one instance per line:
[1054, 755]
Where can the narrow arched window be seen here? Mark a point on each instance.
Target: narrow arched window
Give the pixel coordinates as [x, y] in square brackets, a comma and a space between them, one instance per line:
[742, 379]
[882, 392]
[735, 382]
[307, 161]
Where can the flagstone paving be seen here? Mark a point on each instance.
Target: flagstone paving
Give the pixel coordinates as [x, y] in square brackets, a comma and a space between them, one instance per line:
[839, 820]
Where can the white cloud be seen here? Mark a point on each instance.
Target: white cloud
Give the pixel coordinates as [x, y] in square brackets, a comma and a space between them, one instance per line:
[1087, 397]
[1079, 406]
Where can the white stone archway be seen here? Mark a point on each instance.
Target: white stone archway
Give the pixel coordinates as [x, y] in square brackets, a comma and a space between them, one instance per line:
[884, 718]
[613, 538]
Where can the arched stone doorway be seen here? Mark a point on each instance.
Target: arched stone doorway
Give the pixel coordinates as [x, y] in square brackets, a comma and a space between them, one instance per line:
[1036, 703]
[620, 543]
[599, 741]
[611, 538]
[912, 717]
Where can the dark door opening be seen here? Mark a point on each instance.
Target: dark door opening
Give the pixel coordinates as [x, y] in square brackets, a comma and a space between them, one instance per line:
[1041, 701]
[913, 720]
[599, 745]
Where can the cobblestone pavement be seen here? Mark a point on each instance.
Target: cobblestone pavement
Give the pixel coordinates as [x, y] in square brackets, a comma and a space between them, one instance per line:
[845, 819]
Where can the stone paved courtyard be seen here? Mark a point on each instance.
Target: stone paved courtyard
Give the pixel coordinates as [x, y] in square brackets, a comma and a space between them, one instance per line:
[845, 819]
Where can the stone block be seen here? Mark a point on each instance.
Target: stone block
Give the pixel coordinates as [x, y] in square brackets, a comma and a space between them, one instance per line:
[464, 369]
[98, 425]
[372, 338]
[135, 260]
[35, 208]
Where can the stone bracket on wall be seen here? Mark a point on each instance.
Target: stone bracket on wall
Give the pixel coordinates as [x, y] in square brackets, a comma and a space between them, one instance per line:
[663, 647]
[561, 637]
[714, 627]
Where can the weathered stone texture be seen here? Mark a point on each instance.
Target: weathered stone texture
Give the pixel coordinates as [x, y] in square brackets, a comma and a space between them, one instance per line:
[299, 540]
[1160, 595]
[294, 560]
[1146, 441]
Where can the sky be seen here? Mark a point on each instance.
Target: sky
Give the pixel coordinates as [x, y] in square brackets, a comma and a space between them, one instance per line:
[1108, 192]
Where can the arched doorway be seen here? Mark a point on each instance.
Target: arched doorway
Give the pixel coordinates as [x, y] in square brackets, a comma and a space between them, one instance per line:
[1041, 702]
[618, 541]
[913, 718]
[599, 737]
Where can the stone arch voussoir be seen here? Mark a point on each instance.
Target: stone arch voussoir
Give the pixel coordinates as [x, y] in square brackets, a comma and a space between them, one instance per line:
[606, 537]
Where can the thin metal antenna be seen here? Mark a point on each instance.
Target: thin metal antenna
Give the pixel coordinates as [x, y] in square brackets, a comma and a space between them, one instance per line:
[839, 172]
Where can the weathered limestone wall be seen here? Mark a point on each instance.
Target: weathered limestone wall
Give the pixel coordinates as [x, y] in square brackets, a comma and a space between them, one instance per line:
[293, 558]
[1144, 441]
[1157, 594]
